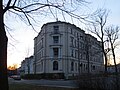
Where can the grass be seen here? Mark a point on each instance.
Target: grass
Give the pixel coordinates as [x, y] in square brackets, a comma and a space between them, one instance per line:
[34, 87]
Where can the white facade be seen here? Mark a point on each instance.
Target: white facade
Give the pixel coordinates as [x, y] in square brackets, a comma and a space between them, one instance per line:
[93, 47]
[27, 65]
[56, 50]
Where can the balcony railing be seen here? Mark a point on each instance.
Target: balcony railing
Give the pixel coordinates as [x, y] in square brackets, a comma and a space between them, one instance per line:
[56, 32]
[55, 44]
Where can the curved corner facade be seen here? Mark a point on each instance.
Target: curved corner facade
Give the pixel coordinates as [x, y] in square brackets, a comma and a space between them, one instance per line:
[63, 48]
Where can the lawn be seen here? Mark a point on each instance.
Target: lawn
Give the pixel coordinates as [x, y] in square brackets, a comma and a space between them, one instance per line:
[34, 87]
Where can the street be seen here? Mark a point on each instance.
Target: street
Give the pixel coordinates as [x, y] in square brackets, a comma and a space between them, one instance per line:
[43, 82]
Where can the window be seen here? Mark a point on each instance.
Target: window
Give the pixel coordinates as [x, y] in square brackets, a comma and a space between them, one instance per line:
[76, 66]
[81, 64]
[55, 39]
[86, 66]
[74, 33]
[93, 67]
[55, 65]
[71, 31]
[55, 52]
[56, 29]
[41, 42]
[81, 56]
[76, 54]
[81, 37]
[72, 66]
[72, 53]
[41, 66]
[77, 35]
[72, 39]
[75, 43]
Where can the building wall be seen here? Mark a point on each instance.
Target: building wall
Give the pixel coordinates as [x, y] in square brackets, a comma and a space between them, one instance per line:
[27, 65]
[69, 35]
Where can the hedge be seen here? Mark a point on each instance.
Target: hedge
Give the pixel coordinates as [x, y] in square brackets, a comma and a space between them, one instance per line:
[44, 76]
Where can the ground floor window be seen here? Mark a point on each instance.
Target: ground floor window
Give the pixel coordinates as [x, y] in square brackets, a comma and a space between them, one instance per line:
[55, 65]
[72, 66]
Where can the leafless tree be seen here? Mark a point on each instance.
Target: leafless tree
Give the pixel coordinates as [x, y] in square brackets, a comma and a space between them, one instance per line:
[112, 34]
[96, 26]
[24, 9]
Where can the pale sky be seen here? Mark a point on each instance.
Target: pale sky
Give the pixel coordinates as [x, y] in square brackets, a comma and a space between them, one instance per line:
[21, 37]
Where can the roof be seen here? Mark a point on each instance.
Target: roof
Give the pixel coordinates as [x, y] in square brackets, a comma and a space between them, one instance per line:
[62, 22]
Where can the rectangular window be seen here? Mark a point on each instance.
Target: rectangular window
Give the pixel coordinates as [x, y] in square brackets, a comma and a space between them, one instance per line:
[75, 43]
[71, 31]
[76, 66]
[55, 39]
[72, 66]
[56, 29]
[74, 33]
[76, 53]
[55, 52]
[72, 52]
[93, 67]
[77, 35]
[41, 42]
[55, 65]
[72, 40]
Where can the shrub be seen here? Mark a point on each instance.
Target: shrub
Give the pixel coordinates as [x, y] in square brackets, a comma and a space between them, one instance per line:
[99, 82]
[44, 76]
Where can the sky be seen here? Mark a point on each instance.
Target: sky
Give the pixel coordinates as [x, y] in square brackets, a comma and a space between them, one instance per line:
[21, 36]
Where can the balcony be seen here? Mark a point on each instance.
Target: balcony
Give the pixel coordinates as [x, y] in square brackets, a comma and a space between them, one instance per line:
[55, 33]
[56, 44]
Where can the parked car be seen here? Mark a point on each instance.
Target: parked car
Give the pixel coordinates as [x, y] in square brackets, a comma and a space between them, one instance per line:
[16, 77]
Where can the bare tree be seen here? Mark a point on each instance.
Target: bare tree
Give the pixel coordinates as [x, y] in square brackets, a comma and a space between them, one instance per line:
[24, 9]
[97, 24]
[112, 34]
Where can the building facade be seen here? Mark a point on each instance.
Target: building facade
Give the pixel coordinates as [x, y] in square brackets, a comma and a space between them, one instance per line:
[63, 48]
[27, 66]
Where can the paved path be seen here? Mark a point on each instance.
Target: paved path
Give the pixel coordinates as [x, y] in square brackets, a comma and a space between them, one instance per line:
[43, 82]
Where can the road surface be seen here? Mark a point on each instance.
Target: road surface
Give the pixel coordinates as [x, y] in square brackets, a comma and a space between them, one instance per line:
[43, 82]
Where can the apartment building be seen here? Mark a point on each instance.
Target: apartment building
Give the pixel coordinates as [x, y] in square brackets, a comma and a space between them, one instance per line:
[27, 66]
[63, 48]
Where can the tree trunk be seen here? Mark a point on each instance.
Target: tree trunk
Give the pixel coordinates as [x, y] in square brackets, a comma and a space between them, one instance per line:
[105, 62]
[114, 61]
[3, 54]
[105, 56]
[113, 56]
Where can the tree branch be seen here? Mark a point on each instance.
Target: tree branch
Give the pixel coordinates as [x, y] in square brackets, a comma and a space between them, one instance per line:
[8, 5]
[14, 2]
